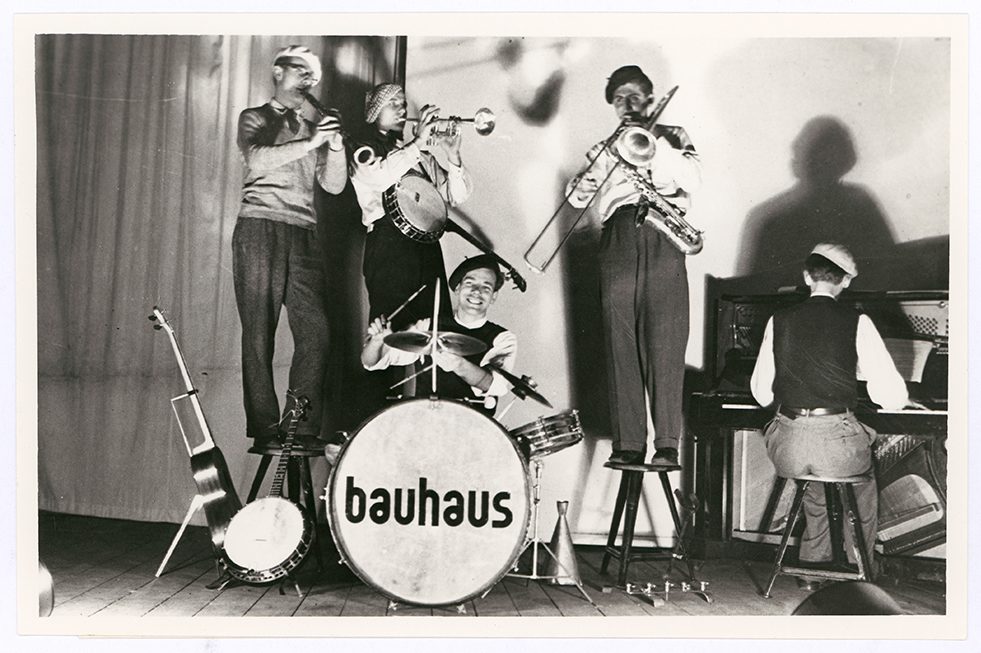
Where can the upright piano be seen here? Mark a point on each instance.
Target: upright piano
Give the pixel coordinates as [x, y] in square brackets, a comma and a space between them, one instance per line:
[733, 476]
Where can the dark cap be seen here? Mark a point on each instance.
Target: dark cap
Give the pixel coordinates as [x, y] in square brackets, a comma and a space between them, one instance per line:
[481, 261]
[623, 75]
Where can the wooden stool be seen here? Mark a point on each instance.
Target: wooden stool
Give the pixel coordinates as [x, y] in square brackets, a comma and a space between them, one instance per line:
[298, 479]
[628, 496]
[846, 495]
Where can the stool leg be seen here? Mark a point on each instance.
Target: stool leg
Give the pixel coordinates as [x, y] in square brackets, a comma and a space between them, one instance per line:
[795, 509]
[833, 506]
[306, 483]
[850, 508]
[771, 504]
[293, 479]
[634, 482]
[260, 473]
[615, 524]
[679, 549]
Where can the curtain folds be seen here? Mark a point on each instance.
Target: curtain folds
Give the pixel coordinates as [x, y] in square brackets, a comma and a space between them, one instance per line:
[138, 182]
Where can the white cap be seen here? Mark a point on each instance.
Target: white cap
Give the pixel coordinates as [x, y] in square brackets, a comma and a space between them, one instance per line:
[304, 54]
[838, 255]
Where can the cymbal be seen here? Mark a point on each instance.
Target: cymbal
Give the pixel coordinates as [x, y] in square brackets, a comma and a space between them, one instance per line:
[414, 342]
[459, 344]
[522, 386]
[418, 342]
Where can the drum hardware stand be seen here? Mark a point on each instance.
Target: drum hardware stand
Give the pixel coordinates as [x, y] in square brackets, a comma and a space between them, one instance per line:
[535, 541]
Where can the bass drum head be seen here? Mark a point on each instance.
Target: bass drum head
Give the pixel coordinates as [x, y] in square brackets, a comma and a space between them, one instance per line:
[429, 502]
[264, 534]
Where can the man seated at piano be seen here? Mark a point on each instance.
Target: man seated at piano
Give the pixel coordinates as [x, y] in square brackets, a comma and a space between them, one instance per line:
[810, 359]
[474, 285]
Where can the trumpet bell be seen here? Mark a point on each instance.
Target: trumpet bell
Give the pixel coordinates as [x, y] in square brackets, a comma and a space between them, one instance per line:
[636, 146]
[484, 121]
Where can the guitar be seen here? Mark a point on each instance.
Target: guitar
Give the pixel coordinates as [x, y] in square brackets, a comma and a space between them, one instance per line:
[270, 537]
[208, 466]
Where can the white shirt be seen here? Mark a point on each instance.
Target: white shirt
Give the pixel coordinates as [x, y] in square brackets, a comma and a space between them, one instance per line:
[503, 350]
[371, 180]
[885, 385]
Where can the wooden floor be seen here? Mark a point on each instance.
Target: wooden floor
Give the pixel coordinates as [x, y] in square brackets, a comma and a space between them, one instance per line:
[106, 567]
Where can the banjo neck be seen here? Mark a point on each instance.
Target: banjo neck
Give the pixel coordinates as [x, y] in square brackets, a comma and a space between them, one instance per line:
[297, 413]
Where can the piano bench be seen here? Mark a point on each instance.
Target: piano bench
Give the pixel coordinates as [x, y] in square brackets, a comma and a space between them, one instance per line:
[843, 486]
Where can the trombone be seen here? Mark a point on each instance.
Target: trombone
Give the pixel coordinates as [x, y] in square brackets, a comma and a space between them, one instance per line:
[632, 144]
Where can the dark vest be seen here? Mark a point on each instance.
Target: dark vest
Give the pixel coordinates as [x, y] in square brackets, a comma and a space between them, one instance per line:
[814, 354]
[451, 386]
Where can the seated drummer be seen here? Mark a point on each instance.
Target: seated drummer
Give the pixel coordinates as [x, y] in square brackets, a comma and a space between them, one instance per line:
[474, 286]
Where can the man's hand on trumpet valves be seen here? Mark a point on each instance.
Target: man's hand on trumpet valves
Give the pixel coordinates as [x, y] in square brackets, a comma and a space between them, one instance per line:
[425, 126]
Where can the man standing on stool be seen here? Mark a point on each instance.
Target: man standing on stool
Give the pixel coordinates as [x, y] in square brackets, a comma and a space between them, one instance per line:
[276, 259]
[643, 277]
[809, 360]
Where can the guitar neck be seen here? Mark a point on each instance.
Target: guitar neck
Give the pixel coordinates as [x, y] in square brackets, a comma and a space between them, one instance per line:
[192, 393]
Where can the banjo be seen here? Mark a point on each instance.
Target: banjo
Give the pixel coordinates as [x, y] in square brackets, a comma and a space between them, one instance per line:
[270, 537]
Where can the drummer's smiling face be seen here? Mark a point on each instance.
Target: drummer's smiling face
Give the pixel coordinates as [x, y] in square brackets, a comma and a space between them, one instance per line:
[392, 115]
[475, 294]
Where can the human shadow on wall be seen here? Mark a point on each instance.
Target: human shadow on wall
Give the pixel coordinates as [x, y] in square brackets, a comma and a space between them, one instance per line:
[820, 207]
[353, 394]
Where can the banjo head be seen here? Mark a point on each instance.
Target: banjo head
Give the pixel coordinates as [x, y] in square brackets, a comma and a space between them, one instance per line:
[265, 533]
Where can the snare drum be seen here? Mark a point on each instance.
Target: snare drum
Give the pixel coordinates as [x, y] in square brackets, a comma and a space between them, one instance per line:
[429, 502]
[547, 435]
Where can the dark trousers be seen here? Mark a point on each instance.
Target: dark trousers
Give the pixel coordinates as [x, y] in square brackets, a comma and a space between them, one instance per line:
[395, 266]
[644, 290]
[276, 265]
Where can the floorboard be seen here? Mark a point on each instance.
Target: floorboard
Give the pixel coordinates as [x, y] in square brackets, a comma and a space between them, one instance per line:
[105, 569]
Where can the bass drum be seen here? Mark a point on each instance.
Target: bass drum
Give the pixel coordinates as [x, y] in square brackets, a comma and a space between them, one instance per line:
[429, 502]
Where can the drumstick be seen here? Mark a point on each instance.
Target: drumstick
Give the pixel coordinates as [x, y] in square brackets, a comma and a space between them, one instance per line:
[435, 331]
[409, 378]
[387, 319]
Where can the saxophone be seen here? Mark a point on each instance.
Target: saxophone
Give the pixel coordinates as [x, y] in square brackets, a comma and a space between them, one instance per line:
[666, 218]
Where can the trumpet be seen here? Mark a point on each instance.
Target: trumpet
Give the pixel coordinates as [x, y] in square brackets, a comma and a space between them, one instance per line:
[483, 122]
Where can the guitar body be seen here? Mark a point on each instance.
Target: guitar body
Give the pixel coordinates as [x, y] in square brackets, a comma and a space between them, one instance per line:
[214, 484]
[266, 540]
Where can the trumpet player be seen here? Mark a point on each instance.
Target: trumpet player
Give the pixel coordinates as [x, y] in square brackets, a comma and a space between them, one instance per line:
[276, 259]
[643, 275]
[395, 265]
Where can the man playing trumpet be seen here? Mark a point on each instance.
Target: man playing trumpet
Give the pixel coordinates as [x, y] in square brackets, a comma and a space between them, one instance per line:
[643, 276]
[394, 264]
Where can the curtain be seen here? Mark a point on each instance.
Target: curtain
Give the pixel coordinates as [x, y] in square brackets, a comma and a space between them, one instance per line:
[139, 180]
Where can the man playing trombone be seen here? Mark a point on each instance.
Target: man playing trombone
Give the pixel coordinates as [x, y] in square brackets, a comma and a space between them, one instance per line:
[643, 275]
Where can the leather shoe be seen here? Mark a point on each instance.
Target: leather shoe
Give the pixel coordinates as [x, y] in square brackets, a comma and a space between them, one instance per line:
[665, 456]
[626, 457]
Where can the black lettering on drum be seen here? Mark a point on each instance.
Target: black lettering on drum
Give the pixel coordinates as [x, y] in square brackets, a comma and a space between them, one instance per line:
[506, 516]
[386, 504]
[354, 494]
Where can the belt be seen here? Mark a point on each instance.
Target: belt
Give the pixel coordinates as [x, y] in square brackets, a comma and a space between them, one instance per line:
[794, 413]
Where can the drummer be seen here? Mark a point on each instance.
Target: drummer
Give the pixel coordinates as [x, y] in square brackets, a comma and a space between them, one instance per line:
[474, 285]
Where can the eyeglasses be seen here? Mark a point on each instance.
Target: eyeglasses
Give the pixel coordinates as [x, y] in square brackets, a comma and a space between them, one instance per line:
[304, 71]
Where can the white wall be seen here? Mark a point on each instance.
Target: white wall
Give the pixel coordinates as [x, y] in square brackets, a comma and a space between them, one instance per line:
[744, 102]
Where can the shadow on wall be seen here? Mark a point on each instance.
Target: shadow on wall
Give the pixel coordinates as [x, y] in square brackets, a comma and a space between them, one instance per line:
[349, 388]
[780, 232]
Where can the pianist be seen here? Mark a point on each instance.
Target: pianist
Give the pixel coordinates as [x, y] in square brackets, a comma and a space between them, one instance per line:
[808, 365]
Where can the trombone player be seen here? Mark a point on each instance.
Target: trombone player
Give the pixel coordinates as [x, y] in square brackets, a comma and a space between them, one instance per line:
[643, 275]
